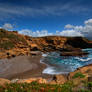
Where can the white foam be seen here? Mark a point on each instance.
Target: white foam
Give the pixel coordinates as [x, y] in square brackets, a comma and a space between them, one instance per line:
[41, 61]
[52, 71]
[83, 60]
[44, 54]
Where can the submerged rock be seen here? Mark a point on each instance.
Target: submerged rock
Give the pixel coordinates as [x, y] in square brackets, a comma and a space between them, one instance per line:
[74, 53]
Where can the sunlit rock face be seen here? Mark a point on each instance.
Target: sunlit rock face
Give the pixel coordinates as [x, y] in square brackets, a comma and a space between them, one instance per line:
[15, 44]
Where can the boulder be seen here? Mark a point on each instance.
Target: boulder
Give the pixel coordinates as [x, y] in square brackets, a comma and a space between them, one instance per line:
[4, 81]
[34, 53]
[34, 47]
[58, 79]
[90, 78]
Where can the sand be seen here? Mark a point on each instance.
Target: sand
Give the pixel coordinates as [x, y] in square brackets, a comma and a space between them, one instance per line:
[22, 67]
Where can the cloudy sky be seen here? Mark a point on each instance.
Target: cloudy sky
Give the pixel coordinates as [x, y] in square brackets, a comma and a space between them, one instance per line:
[47, 17]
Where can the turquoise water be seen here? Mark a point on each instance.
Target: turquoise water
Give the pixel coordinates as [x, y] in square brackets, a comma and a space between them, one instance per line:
[57, 64]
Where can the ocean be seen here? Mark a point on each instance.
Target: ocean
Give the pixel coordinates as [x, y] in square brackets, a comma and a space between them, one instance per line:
[57, 64]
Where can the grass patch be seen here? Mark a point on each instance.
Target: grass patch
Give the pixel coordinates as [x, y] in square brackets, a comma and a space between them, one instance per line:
[6, 45]
[36, 87]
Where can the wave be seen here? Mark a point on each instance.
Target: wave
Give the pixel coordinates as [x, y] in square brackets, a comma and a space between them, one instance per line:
[41, 61]
[44, 55]
[83, 60]
[52, 71]
[59, 65]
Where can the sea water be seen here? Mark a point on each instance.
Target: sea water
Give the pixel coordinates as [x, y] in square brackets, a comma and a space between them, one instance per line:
[57, 64]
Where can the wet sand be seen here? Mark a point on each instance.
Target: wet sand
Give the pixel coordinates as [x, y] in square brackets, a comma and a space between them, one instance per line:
[22, 67]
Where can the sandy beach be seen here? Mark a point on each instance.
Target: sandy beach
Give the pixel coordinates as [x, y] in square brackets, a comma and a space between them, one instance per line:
[22, 67]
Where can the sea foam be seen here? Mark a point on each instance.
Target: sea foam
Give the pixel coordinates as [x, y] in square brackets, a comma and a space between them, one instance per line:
[83, 60]
[52, 71]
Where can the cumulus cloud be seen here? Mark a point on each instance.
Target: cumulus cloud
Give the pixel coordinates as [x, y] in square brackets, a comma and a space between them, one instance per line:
[36, 33]
[69, 26]
[70, 33]
[88, 22]
[7, 26]
[26, 32]
[72, 30]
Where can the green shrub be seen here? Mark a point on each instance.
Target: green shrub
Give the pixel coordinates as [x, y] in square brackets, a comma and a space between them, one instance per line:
[31, 87]
[67, 87]
[78, 74]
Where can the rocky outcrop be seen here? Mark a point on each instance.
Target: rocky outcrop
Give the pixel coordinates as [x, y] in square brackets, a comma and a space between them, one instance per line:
[81, 74]
[47, 44]
[30, 80]
[79, 42]
[51, 43]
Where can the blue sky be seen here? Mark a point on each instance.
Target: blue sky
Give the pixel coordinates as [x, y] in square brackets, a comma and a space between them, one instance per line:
[50, 15]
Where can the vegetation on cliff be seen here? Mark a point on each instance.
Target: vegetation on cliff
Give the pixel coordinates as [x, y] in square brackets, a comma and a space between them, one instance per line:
[9, 40]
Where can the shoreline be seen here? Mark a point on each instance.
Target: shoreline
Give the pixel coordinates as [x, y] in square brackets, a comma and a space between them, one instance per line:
[23, 67]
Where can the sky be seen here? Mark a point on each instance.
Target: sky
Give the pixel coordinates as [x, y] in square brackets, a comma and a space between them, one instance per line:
[47, 17]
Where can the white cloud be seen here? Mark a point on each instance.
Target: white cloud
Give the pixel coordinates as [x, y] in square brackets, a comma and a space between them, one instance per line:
[88, 22]
[36, 33]
[70, 30]
[85, 30]
[26, 32]
[70, 33]
[7, 26]
[69, 26]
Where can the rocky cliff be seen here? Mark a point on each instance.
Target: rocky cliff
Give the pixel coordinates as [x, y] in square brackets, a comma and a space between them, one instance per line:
[13, 44]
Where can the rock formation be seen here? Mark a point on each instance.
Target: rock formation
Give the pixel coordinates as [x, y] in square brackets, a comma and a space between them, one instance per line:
[13, 44]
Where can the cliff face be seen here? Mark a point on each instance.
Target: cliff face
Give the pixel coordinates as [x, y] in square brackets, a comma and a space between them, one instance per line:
[14, 44]
[50, 43]
[53, 43]
[79, 42]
